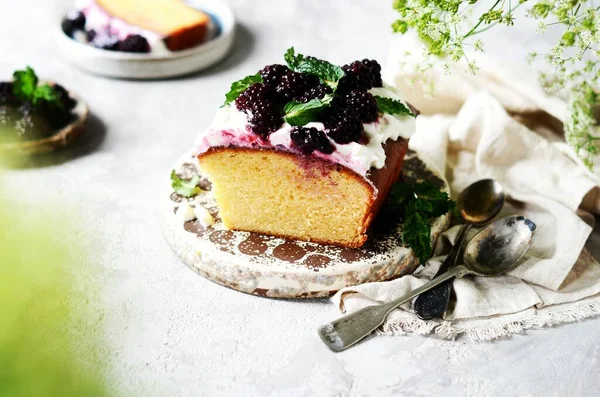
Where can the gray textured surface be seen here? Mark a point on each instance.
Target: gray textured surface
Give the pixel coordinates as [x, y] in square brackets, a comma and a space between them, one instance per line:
[176, 334]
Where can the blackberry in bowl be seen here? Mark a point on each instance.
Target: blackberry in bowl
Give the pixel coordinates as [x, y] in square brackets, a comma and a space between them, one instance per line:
[37, 117]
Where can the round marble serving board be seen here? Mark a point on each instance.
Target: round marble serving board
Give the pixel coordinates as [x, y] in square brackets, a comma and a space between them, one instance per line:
[280, 268]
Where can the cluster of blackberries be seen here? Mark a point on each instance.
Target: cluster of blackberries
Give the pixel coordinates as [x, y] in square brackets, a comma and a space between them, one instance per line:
[258, 101]
[308, 140]
[352, 105]
[363, 75]
[75, 22]
[56, 116]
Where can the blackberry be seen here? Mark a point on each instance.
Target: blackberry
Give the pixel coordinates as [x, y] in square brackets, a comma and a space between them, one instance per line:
[343, 126]
[5, 91]
[264, 116]
[293, 85]
[254, 94]
[73, 22]
[264, 119]
[308, 140]
[362, 104]
[272, 74]
[375, 68]
[90, 35]
[364, 75]
[134, 43]
[26, 108]
[317, 92]
[106, 42]
[64, 97]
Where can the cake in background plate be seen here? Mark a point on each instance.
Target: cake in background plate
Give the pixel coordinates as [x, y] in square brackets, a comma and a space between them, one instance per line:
[307, 151]
[138, 26]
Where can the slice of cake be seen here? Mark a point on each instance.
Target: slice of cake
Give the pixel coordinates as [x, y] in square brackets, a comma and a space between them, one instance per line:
[138, 25]
[307, 151]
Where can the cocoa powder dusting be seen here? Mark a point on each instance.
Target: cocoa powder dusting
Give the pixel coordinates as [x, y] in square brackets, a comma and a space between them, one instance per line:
[353, 255]
[222, 239]
[317, 262]
[194, 227]
[254, 245]
[289, 252]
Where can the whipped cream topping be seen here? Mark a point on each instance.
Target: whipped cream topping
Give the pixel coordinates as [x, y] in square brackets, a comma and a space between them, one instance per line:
[230, 128]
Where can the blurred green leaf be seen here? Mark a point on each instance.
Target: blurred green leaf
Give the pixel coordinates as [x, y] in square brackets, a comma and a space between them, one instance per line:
[49, 335]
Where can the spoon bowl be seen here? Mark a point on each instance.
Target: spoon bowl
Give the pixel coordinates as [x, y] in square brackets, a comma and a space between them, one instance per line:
[500, 246]
[481, 201]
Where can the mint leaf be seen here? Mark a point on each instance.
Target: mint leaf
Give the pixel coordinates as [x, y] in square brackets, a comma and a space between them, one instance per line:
[391, 106]
[24, 84]
[293, 60]
[46, 93]
[418, 204]
[328, 73]
[185, 188]
[400, 192]
[439, 200]
[240, 86]
[299, 114]
[416, 233]
[25, 88]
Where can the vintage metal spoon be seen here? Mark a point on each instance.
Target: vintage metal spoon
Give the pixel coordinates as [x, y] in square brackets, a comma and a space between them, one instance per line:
[494, 250]
[478, 204]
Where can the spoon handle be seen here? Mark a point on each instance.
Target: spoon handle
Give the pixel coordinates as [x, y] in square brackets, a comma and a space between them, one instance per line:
[434, 302]
[346, 331]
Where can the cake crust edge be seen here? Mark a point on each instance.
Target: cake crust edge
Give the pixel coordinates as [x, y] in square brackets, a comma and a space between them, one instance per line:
[378, 181]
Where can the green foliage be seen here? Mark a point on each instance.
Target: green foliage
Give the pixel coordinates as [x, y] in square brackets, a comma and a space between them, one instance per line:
[48, 335]
[240, 86]
[186, 188]
[299, 114]
[26, 88]
[24, 83]
[391, 106]
[419, 204]
[328, 73]
[292, 59]
[573, 63]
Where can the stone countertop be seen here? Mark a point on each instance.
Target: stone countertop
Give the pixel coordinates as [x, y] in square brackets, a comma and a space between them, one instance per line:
[171, 332]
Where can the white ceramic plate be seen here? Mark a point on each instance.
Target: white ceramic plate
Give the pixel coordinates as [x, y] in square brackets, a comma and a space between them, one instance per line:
[154, 66]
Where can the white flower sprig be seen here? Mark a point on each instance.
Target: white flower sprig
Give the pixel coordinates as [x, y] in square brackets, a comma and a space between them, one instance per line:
[573, 63]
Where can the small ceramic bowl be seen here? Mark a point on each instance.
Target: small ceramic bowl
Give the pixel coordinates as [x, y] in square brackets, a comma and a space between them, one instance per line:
[155, 66]
[59, 139]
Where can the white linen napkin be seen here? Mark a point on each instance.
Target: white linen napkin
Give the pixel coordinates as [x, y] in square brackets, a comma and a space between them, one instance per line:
[495, 125]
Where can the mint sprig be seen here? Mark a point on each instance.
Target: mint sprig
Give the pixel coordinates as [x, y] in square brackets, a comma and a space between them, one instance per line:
[186, 188]
[327, 72]
[240, 86]
[392, 106]
[26, 88]
[299, 114]
[292, 59]
[419, 204]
